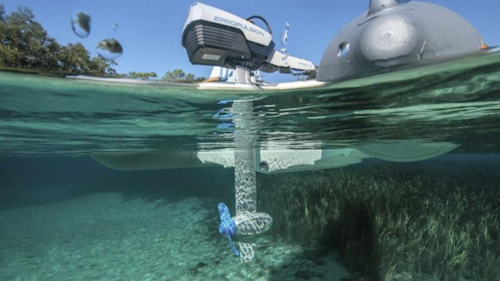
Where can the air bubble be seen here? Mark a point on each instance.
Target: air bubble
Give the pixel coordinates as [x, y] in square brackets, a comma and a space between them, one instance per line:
[80, 23]
[109, 49]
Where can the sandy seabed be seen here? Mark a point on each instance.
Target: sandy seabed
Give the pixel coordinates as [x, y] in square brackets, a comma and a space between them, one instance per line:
[106, 237]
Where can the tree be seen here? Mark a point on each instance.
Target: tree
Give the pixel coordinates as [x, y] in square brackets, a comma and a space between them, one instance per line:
[75, 58]
[25, 44]
[142, 75]
[190, 77]
[101, 67]
[16, 31]
[175, 75]
[2, 12]
[178, 75]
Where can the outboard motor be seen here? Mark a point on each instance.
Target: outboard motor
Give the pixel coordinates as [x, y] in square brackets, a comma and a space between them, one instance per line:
[215, 37]
[394, 33]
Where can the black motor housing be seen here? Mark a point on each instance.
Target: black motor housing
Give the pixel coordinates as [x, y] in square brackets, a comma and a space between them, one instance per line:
[213, 44]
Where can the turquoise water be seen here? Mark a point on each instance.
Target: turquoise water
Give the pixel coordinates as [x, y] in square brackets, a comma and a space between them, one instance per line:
[67, 117]
[63, 216]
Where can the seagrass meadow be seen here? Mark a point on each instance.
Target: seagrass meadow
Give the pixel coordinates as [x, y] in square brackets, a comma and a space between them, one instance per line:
[434, 220]
[426, 221]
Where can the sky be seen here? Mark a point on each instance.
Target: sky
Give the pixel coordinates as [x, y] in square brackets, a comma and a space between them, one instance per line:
[150, 31]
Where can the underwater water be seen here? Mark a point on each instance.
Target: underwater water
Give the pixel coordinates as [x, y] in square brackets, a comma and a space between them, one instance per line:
[64, 216]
